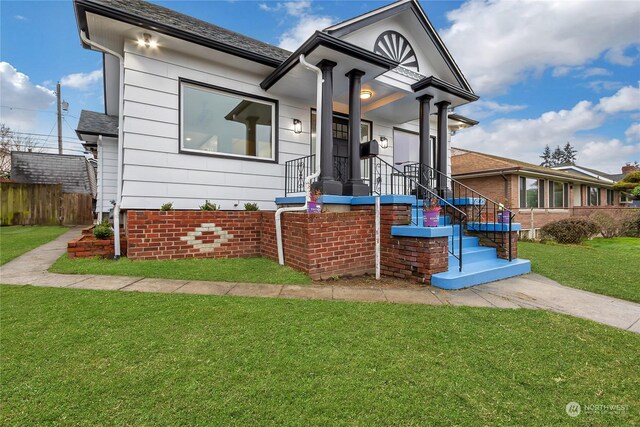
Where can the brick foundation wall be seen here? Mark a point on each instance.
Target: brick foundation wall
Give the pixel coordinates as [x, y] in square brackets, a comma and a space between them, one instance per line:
[87, 246]
[190, 234]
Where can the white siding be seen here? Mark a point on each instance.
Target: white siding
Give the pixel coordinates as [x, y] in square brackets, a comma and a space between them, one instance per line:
[154, 170]
[107, 171]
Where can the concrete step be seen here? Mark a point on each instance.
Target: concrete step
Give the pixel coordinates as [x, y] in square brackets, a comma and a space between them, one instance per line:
[475, 273]
[473, 254]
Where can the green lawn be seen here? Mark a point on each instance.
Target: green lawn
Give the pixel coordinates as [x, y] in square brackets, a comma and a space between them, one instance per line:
[77, 357]
[249, 270]
[604, 266]
[18, 239]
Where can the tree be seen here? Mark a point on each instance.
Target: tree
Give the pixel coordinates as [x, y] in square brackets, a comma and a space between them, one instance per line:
[10, 141]
[569, 154]
[557, 158]
[546, 156]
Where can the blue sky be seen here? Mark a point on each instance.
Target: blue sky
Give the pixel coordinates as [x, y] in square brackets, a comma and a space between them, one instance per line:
[547, 72]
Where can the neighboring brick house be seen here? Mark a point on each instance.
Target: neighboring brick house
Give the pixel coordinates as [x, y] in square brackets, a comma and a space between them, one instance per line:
[536, 194]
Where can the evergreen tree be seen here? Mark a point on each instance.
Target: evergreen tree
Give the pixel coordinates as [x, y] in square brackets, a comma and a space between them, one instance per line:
[569, 154]
[546, 156]
[557, 158]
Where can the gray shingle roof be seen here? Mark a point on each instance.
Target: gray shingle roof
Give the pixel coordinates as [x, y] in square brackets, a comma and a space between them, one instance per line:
[97, 124]
[45, 168]
[158, 17]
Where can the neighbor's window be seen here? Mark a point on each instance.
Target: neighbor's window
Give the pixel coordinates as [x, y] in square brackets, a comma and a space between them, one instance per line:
[531, 193]
[217, 122]
[558, 195]
[610, 198]
[625, 197]
[593, 195]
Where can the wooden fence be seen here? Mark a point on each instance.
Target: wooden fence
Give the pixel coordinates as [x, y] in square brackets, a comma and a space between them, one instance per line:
[43, 204]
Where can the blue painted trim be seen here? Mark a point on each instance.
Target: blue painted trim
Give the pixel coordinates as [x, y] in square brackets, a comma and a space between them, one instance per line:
[349, 200]
[493, 226]
[388, 199]
[425, 232]
[290, 200]
[463, 201]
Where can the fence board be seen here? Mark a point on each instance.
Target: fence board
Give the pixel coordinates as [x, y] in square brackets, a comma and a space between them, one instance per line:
[42, 204]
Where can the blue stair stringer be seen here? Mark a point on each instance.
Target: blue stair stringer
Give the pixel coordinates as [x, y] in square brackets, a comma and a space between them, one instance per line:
[480, 264]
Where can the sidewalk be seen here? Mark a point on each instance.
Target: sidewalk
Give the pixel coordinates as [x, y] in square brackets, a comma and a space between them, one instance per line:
[530, 291]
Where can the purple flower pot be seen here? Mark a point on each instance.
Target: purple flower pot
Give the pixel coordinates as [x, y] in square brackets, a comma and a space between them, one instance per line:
[431, 218]
[314, 207]
[503, 217]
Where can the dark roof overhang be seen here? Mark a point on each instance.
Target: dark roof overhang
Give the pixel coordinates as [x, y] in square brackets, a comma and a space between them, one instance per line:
[431, 85]
[103, 9]
[462, 119]
[320, 39]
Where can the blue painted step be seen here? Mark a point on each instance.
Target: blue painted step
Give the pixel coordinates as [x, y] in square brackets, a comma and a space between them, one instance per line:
[476, 273]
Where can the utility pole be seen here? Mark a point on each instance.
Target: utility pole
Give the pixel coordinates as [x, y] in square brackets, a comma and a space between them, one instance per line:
[59, 119]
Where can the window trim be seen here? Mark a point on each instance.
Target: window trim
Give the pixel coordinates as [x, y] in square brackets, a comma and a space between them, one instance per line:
[599, 198]
[243, 95]
[551, 195]
[541, 192]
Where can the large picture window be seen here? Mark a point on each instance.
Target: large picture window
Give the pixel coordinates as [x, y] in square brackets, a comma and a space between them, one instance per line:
[593, 195]
[558, 195]
[217, 122]
[531, 193]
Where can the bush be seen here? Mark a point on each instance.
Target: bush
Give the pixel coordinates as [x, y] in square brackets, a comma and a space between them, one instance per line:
[167, 207]
[631, 227]
[103, 231]
[570, 230]
[208, 206]
[251, 207]
[608, 225]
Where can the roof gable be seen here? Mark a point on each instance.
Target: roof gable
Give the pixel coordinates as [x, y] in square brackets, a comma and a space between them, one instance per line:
[398, 30]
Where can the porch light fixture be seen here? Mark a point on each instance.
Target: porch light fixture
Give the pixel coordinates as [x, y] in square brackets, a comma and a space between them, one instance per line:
[384, 142]
[297, 126]
[366, 94]
[147, 41]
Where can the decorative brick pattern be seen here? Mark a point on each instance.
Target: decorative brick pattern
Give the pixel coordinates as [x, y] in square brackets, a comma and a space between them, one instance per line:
[189, 234]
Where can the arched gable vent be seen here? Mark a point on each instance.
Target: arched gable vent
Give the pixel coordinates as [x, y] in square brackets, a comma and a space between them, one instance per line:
[393, 45]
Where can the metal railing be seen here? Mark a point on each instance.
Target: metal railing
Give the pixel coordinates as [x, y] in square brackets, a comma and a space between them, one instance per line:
[297, 169]
[485, 216]
[386, 179]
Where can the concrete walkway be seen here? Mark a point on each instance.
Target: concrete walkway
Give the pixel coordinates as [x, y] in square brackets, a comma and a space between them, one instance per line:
[529, 291]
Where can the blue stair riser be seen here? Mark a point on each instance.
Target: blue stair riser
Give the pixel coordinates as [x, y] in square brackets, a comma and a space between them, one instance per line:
[467, 242]
[480, 272]
[471, 255]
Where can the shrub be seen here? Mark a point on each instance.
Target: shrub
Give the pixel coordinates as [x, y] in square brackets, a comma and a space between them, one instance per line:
[631, 227]
[208, 206]
[608, 225]
[636, 192]
[103, 231]
[251, 207]
[570, 230]
[167, 207]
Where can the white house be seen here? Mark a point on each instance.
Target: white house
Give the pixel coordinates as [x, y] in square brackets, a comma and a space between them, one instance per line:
[195, 112]
[206, 113]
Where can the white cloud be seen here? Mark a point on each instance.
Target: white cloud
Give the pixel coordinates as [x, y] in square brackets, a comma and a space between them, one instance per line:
[604, 85]
[633, 132]
[21, 98]
[561, 71]
[293, 38]
[307, 23]
[81, 80]
[485, 108]
[20, 18]
[626, 99]
[617, 56]
[502, 42]
[524, 139]
[595, 71]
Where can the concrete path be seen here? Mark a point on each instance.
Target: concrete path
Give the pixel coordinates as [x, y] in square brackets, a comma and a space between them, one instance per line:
[530, 291]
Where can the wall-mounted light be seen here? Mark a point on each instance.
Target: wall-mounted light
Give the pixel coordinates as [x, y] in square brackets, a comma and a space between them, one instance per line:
[297, 126]
[147, 41]
[366, 94]
[384, 142]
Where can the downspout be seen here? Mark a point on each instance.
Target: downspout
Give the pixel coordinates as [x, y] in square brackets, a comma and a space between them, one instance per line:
[116, 209]
[308, 179]
[101, 188]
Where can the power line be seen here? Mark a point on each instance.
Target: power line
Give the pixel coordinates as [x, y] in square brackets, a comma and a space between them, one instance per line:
[38, 110]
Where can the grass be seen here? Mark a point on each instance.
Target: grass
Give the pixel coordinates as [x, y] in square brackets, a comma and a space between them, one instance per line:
[77, 357]
[604, 266]
[17, 240]
[248, 270]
